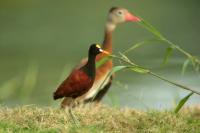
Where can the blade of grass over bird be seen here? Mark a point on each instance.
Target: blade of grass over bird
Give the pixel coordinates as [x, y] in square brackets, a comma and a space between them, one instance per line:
[102, 61]
[113, 70]
[139, 69]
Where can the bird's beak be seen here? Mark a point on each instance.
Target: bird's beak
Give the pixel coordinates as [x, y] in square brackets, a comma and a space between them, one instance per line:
[105, 52]
[131, 18]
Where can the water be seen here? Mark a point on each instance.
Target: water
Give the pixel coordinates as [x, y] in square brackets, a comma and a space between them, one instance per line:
[49, 38]
[148, 92]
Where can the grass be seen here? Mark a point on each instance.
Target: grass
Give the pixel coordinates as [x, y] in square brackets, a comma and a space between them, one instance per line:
[98, 119]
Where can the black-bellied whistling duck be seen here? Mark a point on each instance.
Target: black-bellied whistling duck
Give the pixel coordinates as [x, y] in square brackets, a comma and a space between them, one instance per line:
[80, 80]
[116, 16]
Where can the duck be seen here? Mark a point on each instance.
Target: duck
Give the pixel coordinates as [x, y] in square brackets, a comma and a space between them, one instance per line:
[116, 16]
[80, 80]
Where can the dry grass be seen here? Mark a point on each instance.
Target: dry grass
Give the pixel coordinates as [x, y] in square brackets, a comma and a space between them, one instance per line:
[98, 119]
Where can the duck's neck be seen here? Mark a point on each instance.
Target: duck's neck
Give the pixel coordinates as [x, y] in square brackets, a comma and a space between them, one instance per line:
[107, 43]
[90, 66]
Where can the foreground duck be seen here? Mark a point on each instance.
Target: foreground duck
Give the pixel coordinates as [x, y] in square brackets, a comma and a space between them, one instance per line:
[82, 79]
[116, 16]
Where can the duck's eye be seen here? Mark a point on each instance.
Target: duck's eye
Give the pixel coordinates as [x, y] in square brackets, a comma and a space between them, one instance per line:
[119, 12]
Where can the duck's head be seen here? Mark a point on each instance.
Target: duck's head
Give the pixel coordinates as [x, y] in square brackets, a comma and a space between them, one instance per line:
[95, 49]
[119, 15]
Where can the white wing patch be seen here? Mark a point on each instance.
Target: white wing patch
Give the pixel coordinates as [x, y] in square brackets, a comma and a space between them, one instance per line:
[95, 88]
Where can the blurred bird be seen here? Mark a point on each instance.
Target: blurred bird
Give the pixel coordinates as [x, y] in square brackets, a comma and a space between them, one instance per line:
[116, 16]
[80, 80]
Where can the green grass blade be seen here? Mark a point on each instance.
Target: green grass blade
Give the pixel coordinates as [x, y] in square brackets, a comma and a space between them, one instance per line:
[185, 65]
[195, 63]
[139, 70]
[124, 56]
[114, 70]
[174, 83]
[197, 68]
[30, 80]
[156, 75]
[182, 102]
[102, 61]
[114, 100]
[9, 87]
[139, 44]
[167, 55]
[152, 29]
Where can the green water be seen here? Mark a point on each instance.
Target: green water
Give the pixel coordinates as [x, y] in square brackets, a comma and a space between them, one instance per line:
[41, 41]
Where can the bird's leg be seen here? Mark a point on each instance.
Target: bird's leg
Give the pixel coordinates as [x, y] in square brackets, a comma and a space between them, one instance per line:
[72, 116]
[66, 102]
[79, 101]
[75, 103]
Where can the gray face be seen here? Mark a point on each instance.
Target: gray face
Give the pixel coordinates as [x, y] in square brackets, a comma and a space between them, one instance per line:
[117, 16]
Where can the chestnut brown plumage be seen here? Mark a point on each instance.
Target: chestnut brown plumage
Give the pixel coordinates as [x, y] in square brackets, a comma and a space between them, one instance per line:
[116, 16]
[80, 80]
